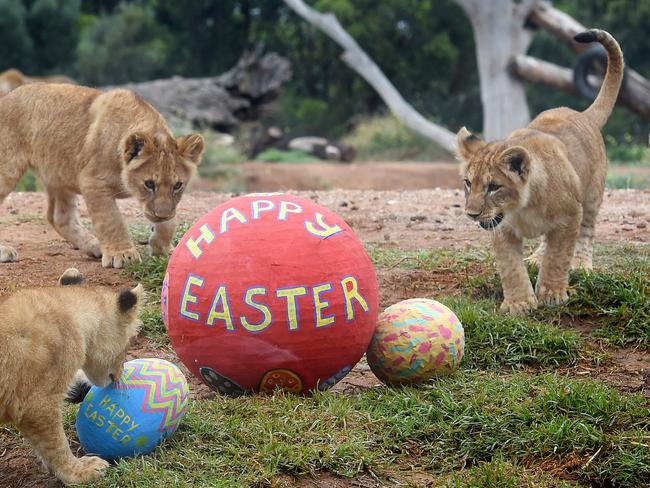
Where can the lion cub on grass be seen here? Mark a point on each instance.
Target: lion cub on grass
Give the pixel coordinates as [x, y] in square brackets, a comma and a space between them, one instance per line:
[46, 336]
[545, 180]
[103, 146]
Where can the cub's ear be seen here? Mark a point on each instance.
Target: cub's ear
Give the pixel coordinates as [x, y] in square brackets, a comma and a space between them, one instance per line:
[517, 161]
[191, 147]
[133, 146]
[467, 143]
[128, 299]
[71, 276]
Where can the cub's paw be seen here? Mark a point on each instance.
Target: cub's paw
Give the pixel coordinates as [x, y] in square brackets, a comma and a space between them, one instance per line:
[119, 259]
[158, 249]
[8, 254]
[519, 307]
[552, 295]
[85, 470]
[582, 262]
[92, 248]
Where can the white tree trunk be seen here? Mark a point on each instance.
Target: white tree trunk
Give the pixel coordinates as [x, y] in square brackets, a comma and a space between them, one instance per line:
[359, 61]
[499, 35]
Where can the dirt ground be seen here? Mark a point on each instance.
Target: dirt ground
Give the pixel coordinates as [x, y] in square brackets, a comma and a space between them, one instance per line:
[406, 219]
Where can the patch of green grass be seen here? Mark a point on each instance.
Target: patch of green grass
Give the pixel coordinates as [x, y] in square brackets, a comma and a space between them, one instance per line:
[390, 257]
[458, 422]
[153, 327]
[151, 271]
[615, 298]
[282, 156]
[501, 474]
[618, 303]
[494, 340]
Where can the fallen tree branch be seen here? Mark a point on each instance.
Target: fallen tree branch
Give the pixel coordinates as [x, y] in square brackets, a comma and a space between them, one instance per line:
[360, 62]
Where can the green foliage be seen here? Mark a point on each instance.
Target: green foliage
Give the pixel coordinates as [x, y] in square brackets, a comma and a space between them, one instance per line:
[281, 156]
[387, 139]
[626, 151]
[627, 181]
[128, 45]
[53, 28]
[16, 44]
[28, 183]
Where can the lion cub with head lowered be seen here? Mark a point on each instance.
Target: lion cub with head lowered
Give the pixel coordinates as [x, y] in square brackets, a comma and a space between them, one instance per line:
[46, 336]
[545, 180]
[103, 146]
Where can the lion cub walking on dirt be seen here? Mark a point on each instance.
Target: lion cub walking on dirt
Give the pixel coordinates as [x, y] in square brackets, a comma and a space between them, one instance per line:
[102, 146]
[545, 180]
[46, 336]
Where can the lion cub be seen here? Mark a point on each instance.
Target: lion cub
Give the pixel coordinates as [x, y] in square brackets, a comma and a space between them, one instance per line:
[103, 146]
[46, 336]
[545, 180]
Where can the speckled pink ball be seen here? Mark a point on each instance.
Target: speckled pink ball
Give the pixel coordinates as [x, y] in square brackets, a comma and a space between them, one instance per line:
[416, 340]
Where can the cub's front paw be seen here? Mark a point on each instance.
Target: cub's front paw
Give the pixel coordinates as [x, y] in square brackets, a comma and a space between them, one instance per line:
[582, 262]
[85, 470]
[158, 249]
[92, 248]
[552, 295]
[119, 259]
[7, 254]
[519, 307]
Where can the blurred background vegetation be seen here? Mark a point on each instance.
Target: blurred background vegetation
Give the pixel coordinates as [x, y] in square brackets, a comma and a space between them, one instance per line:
[425, 47]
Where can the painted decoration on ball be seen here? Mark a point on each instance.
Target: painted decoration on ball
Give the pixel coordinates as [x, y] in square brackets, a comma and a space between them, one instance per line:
[416, 340]
[270, 291]
[133, 415]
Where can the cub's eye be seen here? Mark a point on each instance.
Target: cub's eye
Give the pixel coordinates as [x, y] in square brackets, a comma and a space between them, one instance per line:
[468, 184]
[492, 187]
[178, 185]
[150, 185]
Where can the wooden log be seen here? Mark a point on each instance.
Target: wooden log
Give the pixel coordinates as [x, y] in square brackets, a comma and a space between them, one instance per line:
[360, 62]
[220, 102]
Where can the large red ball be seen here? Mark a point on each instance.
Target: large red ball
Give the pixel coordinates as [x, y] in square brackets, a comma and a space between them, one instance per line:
[269, 291]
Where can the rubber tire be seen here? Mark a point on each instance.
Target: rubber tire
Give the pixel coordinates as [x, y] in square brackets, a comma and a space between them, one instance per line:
[585, 66]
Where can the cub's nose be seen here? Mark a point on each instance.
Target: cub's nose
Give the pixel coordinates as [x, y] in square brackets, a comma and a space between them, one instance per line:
[472, 215]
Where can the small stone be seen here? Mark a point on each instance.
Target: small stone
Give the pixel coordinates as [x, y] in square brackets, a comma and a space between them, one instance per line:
[627, 228]
[354, 207]
[343, 204]
[456, 205]
[641, 225]
[418, 218]
[391, 202]
[387, 237]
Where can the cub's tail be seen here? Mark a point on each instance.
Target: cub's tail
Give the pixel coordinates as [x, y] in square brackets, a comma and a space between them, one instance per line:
[600, 110]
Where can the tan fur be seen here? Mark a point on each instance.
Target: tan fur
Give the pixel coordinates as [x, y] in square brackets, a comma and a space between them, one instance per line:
[13, 78]
[46, 336]
[103, 146]
[547, 180]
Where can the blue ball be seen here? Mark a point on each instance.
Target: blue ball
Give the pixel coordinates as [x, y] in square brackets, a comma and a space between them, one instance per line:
[132, 416]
